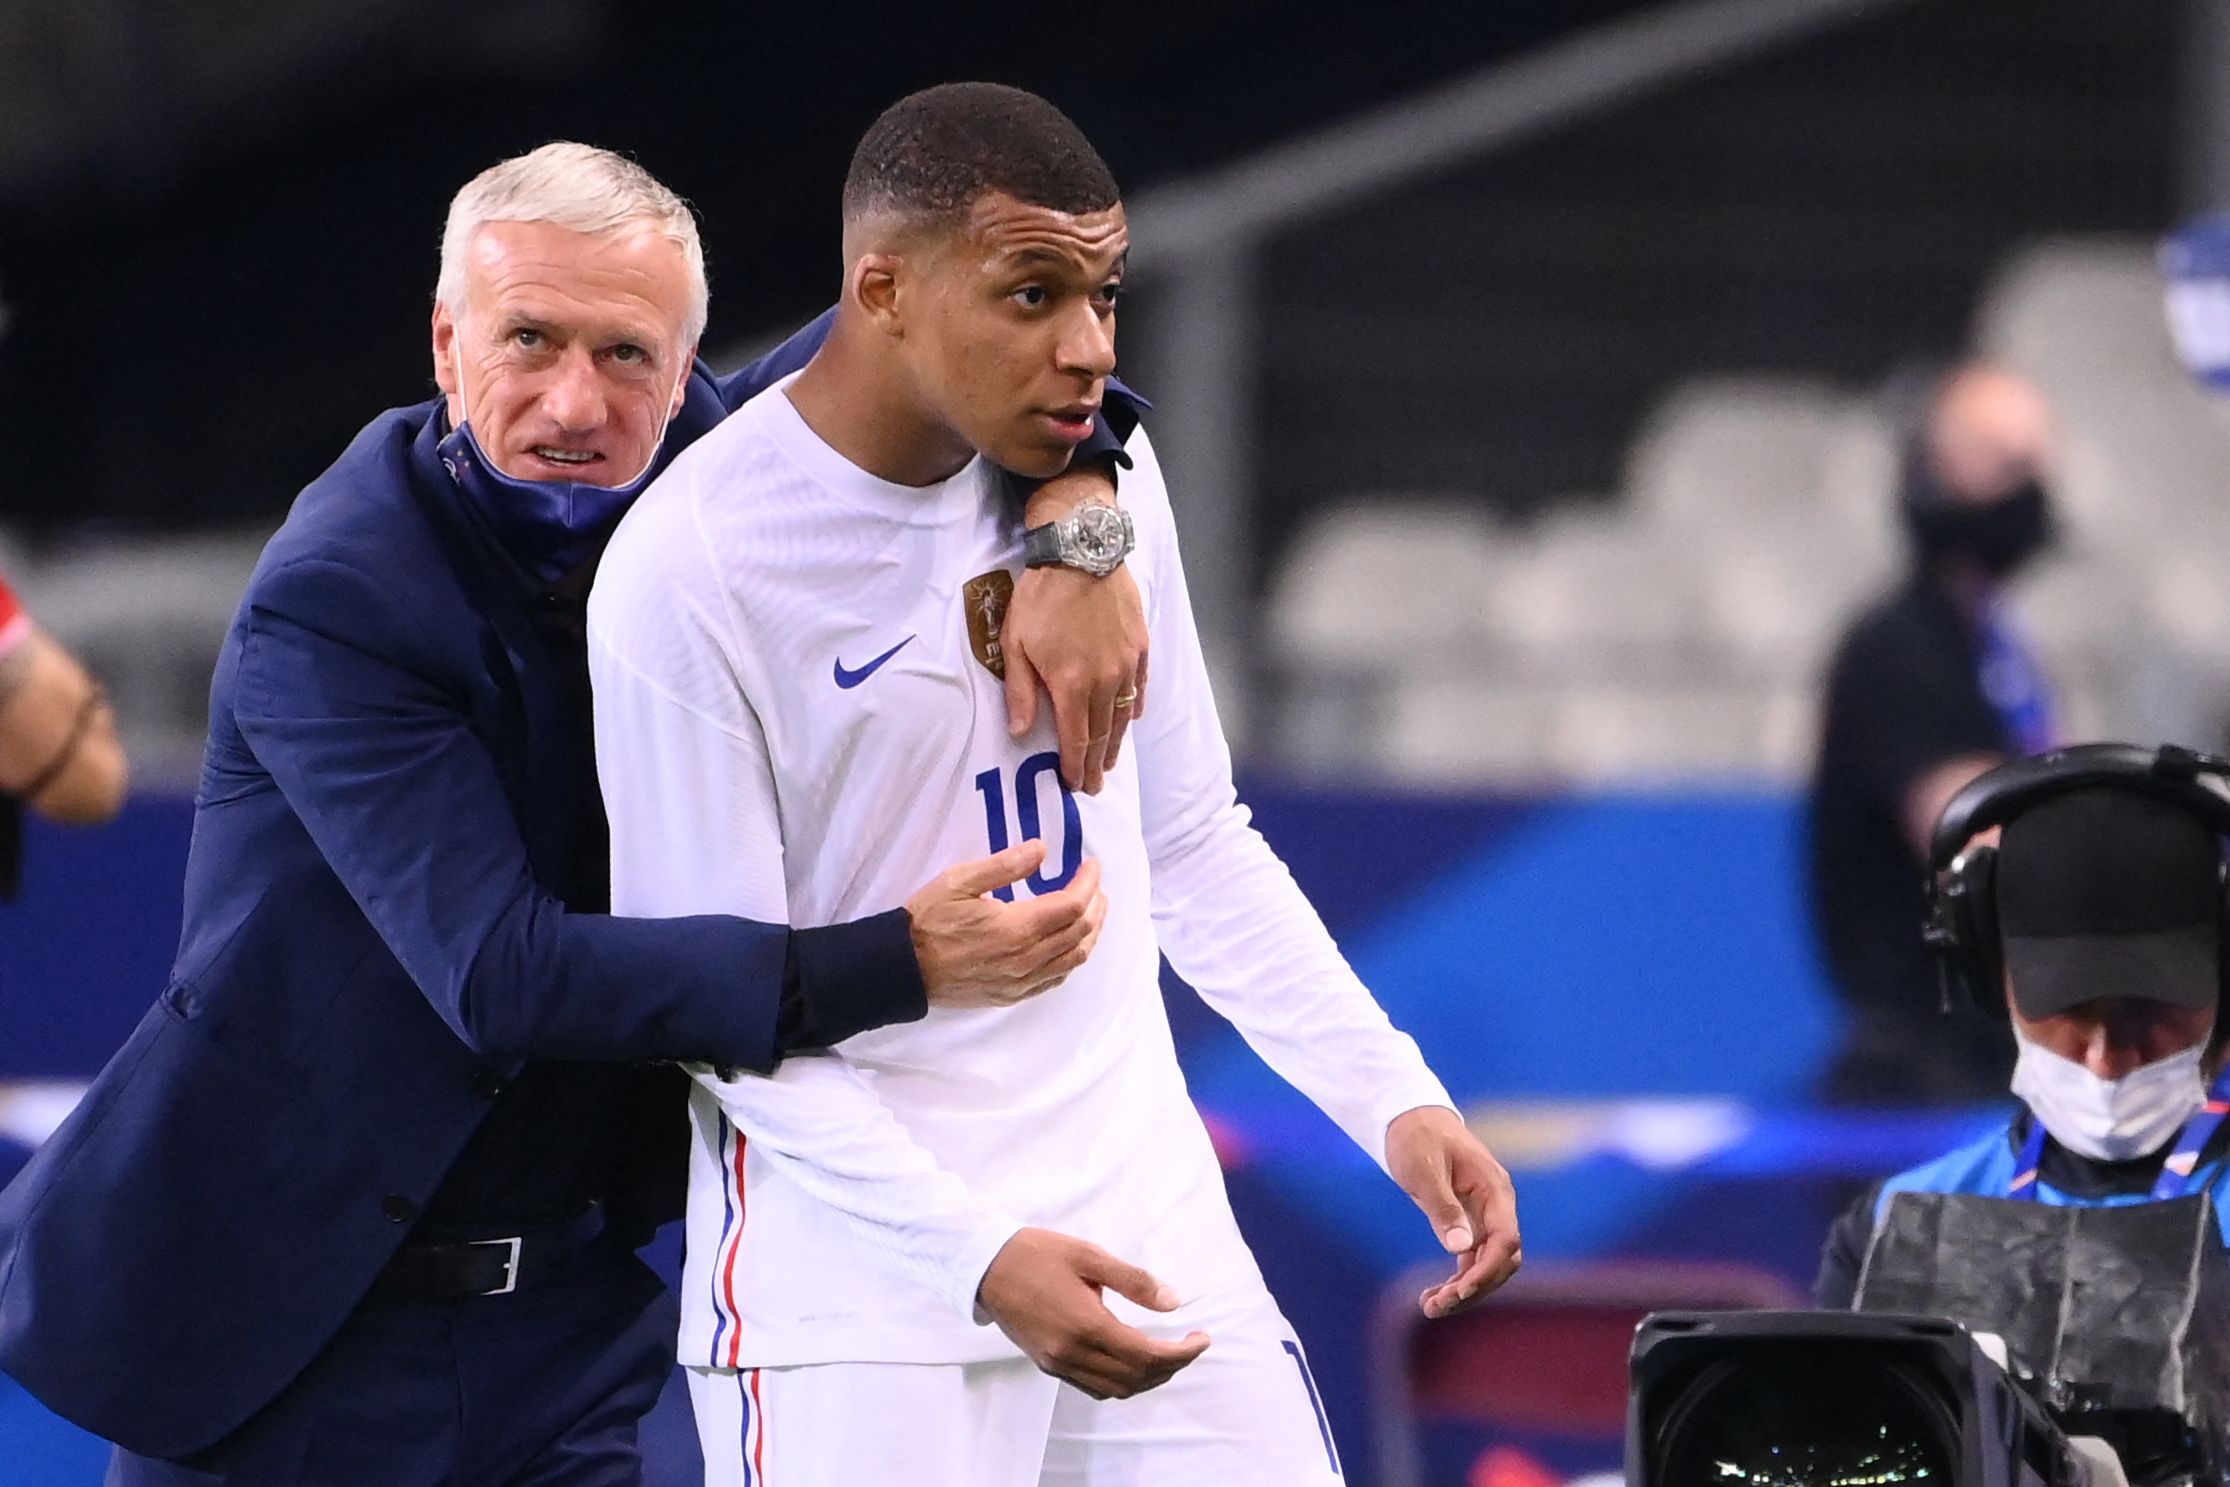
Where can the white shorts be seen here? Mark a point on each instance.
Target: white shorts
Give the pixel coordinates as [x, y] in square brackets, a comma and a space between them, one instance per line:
[1244, 1414]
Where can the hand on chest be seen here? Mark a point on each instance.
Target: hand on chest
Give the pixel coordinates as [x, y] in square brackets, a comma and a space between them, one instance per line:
[902, 736]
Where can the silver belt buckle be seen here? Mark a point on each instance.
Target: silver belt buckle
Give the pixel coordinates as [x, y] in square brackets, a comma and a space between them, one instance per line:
[510, 1266]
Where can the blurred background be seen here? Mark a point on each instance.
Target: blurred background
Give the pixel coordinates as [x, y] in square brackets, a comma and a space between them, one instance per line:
[1535, 382]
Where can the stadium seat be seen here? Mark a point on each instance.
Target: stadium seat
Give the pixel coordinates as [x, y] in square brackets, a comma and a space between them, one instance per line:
[2067, 312]
[1595, 595]
[2189, 599]
[2144, 450]
[1461, 730]
[1372, 589]
[1671, 731]
[2142, 461]
[1859, 478]
[2182, 693]
[149, 620]
[2086, 615]
[1733, 453]
[1679, 631]
[1379, 580]
[1773, 609]
[1546, 1355]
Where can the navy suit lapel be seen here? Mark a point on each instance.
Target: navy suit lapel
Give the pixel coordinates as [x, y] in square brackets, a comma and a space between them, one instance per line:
[542, 766]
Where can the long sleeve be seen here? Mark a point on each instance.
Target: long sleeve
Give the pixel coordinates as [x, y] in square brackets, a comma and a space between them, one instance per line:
[689, 791]
[1229, 916]
[382, 768]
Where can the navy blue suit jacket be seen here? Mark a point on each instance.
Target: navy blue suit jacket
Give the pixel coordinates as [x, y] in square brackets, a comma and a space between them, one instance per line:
[370, 951]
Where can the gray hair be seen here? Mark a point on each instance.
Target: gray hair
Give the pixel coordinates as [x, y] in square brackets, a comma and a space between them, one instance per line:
[581, 189]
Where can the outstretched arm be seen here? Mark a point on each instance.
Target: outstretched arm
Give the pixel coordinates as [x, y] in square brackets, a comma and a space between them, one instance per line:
[1237, 928]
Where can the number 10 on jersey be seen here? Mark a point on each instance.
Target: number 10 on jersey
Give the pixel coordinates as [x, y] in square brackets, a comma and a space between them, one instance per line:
[1030, 777]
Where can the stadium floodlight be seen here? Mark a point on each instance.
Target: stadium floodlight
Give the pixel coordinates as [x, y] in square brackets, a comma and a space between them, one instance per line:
[1833, 1399]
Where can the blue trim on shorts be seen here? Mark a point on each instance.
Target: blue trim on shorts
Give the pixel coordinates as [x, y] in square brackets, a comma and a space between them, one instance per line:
[727, 1221]
[1323, 1426]
[743, 1436]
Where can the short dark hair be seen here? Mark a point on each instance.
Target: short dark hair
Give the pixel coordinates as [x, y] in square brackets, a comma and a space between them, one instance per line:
[932, 153]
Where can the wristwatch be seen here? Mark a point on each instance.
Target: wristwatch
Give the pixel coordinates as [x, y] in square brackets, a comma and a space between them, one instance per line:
[1096, 537]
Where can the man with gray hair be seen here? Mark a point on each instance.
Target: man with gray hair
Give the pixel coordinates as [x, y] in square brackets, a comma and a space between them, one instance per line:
[357, 1202]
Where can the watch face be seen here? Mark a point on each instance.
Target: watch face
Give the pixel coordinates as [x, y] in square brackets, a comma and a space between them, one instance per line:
[1099, 534]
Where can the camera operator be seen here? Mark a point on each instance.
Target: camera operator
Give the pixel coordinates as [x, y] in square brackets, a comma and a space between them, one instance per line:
[2095, 923]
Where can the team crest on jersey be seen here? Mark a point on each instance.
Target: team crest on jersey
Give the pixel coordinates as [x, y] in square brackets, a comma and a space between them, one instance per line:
[985, 600]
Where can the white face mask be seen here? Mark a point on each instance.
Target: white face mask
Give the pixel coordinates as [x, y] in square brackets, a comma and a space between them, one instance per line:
[2109, 1120]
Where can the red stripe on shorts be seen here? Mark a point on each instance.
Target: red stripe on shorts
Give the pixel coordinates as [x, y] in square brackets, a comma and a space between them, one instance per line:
[759, 1447]
[728, 1276]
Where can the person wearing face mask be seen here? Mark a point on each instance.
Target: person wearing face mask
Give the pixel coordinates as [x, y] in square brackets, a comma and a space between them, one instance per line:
[1928, 688]
[358, 1200]
[2095, 923]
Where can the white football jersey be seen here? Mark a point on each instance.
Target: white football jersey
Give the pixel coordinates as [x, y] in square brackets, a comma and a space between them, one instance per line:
[799, 719]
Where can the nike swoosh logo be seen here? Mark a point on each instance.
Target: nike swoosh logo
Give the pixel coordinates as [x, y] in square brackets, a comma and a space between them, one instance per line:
[850, 679]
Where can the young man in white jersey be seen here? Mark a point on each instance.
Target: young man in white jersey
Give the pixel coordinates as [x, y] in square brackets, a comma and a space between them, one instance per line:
[793, 641]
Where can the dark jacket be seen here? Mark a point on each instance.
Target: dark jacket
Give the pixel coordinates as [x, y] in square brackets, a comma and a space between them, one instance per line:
[1986, 1167]
[375, 943]
[1904, 696]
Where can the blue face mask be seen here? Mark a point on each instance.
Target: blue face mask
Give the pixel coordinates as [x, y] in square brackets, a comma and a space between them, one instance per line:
[549, 527]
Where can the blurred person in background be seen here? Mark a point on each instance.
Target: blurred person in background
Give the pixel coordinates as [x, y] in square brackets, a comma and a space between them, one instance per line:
[357, 1201]
[59, 754]
[1928, 688]
[2095, 922]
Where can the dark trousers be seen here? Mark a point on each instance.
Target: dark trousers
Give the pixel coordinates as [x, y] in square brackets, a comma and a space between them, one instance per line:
[539, 1388]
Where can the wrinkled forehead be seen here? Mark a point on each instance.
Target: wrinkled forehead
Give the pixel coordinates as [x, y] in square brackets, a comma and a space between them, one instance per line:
[1007, 233]
[634, 279]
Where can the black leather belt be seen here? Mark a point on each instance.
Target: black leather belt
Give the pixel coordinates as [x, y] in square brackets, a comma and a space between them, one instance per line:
[451, 1270]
